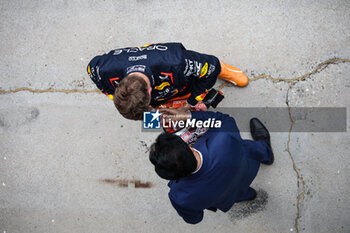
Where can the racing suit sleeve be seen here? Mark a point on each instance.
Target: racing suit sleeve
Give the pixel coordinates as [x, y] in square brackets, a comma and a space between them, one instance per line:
[98, 81]
[202, 70]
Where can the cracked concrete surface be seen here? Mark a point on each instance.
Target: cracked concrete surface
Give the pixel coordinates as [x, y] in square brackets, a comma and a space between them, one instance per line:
[64, 165]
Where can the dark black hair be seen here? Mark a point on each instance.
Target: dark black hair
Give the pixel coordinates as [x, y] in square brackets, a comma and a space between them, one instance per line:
[172, 157]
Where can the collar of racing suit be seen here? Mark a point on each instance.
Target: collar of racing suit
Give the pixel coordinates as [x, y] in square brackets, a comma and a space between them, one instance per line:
[147, 71]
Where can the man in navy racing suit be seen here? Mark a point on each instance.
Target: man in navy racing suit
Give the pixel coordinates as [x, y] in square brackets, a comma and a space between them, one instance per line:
[139, 78]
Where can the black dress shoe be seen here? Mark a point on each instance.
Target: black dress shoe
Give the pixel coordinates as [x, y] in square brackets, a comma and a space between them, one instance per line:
[259, 132]
[253, 197]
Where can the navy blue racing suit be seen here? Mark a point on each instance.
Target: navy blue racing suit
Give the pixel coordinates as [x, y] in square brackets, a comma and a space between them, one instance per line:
[172, 70]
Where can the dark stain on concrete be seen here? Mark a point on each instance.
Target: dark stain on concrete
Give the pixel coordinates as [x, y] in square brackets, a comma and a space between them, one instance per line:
[124, 183]
[120, 182]
[2, 123]
[18, 117]
[246, 208]
[145, 146]
[33, 114]
[139, 184]
[159, 23]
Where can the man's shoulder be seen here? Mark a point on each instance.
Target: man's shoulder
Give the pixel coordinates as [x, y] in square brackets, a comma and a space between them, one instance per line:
[220, 138]
[221, 143]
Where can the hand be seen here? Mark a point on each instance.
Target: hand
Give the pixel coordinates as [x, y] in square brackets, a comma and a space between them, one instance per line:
[185, 107]
[174, 115]
[200, 106]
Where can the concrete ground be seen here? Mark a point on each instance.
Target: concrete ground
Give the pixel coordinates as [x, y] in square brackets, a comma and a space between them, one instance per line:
[71, 163]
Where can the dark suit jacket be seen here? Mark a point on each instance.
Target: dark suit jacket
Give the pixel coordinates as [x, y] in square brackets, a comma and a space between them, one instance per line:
[230, 164]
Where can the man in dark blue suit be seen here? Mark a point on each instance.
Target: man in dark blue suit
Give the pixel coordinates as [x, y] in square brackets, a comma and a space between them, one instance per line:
[216, 171]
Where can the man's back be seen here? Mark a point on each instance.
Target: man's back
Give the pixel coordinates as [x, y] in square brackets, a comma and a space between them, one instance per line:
[172, 71]
[225, 175]
[109, 69]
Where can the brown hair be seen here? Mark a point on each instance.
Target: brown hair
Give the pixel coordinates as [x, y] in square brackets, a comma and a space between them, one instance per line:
[131, 97]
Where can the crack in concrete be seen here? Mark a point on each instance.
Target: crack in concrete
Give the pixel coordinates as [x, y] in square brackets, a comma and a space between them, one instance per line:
[264, 76]
[49, 90]
[297, 171]
[291, 82]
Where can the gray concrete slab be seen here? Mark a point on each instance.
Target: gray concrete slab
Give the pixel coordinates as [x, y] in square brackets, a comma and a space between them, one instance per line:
[61, 170]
